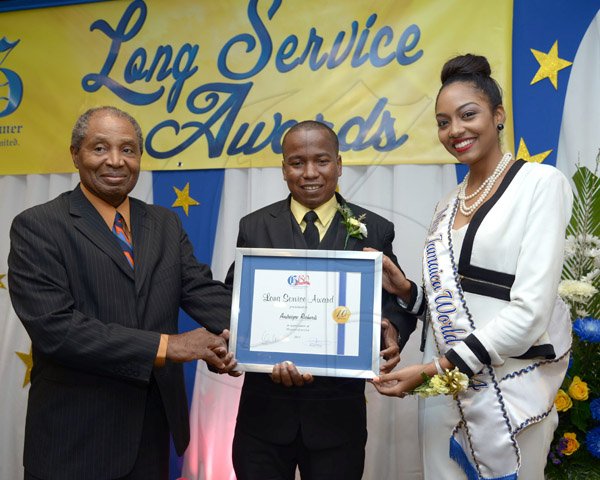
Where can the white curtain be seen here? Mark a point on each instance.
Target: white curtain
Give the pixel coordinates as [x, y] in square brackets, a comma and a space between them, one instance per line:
[579, 140]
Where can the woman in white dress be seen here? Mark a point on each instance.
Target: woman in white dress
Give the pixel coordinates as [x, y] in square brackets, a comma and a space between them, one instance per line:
[491, 267]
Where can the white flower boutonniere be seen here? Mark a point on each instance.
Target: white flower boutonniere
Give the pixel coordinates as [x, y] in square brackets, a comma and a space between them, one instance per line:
[355, 227]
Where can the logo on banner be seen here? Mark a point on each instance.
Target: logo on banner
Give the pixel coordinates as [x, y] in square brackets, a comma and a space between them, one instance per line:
[11, 85]
[11, 94]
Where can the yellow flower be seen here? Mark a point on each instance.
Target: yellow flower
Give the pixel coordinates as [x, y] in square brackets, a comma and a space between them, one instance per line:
[571, 445]
[452, 382]
[578, 390]
[354, 222]
[562, 401]
[439, 385]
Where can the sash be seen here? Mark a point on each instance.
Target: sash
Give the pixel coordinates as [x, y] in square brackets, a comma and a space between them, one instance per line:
[493, 410]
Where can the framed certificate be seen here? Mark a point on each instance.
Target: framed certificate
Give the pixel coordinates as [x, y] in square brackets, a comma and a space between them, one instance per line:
[320, 310]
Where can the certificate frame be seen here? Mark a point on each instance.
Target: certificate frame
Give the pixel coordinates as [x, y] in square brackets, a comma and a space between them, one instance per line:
[357, 272]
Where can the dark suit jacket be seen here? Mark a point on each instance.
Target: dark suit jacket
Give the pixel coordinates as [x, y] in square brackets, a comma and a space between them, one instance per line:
[330, 411]
[93, 322]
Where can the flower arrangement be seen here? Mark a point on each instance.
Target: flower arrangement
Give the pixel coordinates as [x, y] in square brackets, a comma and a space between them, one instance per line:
[575, 450]
[355, 227]
[452, 382]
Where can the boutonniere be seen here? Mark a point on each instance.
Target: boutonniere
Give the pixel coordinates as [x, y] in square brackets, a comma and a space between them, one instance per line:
[355, 227]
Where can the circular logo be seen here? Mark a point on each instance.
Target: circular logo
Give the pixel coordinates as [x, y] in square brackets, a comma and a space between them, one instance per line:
[341, 314]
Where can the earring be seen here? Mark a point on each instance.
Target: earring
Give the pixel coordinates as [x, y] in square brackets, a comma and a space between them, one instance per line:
[500, 127]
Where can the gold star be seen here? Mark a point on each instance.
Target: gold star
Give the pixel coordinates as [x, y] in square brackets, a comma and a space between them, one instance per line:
[183, 198]
[550, 64]
[2, 275]
[27, 359]
[523, 153]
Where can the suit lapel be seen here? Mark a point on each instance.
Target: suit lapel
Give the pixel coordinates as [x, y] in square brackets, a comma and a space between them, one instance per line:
[89, 222]
[338, 231]
[142, 226]
[282, 231]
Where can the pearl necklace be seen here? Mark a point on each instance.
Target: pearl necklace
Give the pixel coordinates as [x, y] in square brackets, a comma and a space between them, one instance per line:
[483, 191]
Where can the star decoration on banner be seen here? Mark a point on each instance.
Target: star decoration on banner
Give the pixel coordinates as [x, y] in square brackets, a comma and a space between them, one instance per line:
[523, 153]
[27, 359]
[2, 275]
[183, 199]
[550, 64]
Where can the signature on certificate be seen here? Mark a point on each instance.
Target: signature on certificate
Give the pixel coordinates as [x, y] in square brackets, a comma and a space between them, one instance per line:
[268, 337]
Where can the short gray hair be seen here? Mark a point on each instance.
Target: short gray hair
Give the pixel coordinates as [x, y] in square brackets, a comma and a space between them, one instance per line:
[81, 125]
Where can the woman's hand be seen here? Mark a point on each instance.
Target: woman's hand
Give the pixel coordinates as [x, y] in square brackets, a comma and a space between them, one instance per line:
[400, 382]
[393, 280]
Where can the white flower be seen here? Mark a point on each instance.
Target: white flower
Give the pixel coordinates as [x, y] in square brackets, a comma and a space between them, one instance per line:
[354, 225]
[363, 230]
[588, 245]
[576, 290]
[592, 252]
[594, 240]
[570, 246]
[591, 276]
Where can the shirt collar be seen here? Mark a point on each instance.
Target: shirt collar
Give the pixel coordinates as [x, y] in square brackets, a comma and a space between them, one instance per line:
[325, 212]
[107, 211]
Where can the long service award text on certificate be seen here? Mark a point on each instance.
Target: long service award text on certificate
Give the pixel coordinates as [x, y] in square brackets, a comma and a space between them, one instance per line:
[318, 309]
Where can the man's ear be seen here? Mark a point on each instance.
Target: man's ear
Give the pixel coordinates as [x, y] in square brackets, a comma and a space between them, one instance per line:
[283, 170]
[75, 156]
[339, 165]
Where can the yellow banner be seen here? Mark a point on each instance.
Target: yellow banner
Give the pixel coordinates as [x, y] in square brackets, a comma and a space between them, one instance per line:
[215, 84]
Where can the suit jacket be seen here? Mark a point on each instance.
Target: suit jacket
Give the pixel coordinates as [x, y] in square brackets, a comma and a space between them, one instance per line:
[330, 411]
[93, 322]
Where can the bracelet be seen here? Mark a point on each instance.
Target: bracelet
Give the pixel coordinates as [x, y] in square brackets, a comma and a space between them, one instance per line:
[438, 367]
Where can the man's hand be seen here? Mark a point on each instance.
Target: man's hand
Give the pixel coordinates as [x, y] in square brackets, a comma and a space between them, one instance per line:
[288, 375]
[229, 368]
[391, 350]
[200, 344]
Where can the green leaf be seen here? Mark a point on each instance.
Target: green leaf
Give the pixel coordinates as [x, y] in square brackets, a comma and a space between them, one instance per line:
[581, 415]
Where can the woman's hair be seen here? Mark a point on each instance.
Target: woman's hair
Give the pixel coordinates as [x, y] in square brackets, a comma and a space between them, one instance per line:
[474, 69]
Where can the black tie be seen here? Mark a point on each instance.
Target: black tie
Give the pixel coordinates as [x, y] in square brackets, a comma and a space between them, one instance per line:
[311, 234]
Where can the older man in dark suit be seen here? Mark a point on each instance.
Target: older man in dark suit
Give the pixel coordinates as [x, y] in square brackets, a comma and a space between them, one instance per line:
[287, 420]
[97, 278]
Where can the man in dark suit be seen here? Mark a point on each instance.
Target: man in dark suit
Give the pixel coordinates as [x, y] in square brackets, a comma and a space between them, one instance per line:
[289, 419]
[101, 309]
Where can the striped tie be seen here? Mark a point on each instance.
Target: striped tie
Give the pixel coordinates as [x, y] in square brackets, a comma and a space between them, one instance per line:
[119, 231]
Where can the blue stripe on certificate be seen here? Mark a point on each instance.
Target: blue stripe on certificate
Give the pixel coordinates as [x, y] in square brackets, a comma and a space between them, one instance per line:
[341, 326]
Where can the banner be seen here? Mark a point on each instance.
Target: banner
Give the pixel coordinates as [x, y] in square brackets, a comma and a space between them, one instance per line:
[196, 197]
[216, 84]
